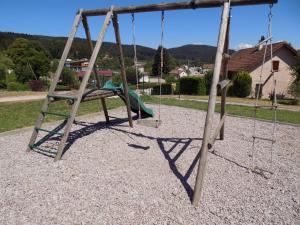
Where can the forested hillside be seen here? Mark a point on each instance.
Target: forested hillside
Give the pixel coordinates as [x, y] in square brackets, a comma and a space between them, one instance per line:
[55, 45]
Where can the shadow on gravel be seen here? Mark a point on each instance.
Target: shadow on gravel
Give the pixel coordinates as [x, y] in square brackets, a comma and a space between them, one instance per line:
[180, 144]
[87, 129]
[172, 161]
[259, 171]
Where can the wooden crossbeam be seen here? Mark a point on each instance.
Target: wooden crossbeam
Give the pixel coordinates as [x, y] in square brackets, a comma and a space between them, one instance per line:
[175, 6]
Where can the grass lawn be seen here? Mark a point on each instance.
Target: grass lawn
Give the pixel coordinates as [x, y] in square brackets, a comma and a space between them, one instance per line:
[21, 114]
[235, 100]
[247, 111]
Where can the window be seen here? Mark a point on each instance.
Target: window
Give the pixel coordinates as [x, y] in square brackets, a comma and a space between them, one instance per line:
[275, 65]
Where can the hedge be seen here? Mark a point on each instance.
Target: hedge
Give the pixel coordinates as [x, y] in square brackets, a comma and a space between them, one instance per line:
[192, 86]
[15, 86]
[166, 89]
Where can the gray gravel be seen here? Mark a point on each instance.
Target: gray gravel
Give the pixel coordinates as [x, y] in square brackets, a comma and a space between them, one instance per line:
[122, 175]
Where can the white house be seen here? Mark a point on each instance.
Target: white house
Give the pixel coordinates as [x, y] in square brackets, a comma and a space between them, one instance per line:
[250, 60]
[178, 73]
[145, 78]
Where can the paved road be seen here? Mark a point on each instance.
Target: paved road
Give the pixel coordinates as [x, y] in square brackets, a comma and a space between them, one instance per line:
[22, 98]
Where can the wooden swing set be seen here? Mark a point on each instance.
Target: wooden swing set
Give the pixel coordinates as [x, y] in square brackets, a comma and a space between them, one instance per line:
[83, 94]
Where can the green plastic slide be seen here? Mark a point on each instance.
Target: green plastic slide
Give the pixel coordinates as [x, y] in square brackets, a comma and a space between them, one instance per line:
[135, 100]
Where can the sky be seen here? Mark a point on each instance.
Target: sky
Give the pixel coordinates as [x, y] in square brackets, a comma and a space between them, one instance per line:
[200, 26]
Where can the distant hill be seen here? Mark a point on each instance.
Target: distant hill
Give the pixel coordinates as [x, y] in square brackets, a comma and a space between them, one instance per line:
[55, 46]
[204, 53]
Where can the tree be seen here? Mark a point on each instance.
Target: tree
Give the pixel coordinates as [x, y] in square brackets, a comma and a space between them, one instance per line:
[30, 54]
[242, 84]
[5, 64]
[168, 62]
[68, 77]
[131, 75]
[53, 65]
[294, 87]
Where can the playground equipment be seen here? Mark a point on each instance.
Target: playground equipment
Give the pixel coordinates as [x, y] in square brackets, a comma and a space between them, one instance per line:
[154, 122]
[220, 71]
[267, 42]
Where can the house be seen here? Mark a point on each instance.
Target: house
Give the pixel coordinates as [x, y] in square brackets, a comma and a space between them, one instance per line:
[178, 73]
[77, 65]
[206, 67]
[140, 66]
[107, 74]
[195, 71]
[250, 60]
[145, 78]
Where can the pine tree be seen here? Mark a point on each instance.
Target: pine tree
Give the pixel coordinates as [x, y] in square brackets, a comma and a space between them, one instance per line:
[157, 62]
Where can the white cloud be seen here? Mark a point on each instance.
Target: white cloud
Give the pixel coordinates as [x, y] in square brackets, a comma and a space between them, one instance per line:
[197, 43]
[243, 45]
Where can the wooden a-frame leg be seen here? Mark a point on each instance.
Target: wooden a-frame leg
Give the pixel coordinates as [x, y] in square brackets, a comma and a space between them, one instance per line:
[224, 76]
[91, 46]
[123, 71]
[211, 106]
[83, 84]
[105, 110]
[60, 67]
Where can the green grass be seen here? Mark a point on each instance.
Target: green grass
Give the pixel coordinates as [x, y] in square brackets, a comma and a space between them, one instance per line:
[22, 114]
[285, 116]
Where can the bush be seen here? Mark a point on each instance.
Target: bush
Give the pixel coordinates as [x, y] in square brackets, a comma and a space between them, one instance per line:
[131, 75]
[242, 84]
[116, 79]
[192, 86]
[3, 84]
[147, 85]
[170, 79]
[230, 91]
[61, 87]
[36, 85]
[15, 86]
[289, 101]
[68, 77]
[166, 89]
[11, 78]
[208, 81]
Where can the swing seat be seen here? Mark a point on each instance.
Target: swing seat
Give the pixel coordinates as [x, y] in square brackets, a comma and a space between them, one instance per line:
[149, 123]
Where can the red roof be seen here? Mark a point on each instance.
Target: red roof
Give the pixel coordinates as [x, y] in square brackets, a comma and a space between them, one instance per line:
[105, 73]
[250, 58]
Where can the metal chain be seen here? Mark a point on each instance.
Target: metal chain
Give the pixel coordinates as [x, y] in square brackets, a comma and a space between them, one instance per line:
[161, 60]
[135, 62]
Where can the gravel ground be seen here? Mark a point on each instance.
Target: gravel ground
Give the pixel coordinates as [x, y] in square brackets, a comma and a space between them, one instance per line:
[142, 175]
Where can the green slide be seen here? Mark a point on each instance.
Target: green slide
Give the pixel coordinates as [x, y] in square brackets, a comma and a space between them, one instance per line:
[134, 99]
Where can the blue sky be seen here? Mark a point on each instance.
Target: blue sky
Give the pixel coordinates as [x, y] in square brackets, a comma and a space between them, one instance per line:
[182, 27]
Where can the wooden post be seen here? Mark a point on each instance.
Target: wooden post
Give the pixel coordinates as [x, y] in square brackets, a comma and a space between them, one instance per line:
[59, 69]
[224, 75]
[88, 37]
[83, 84]
[211, 106]
[123, 71]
